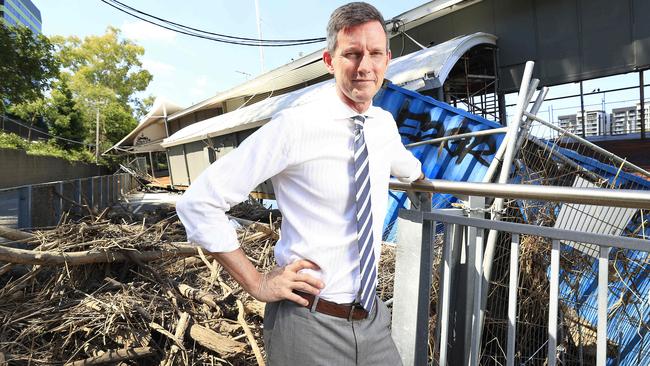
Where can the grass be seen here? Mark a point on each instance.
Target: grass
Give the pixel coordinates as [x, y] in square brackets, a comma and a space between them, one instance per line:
[43, 148]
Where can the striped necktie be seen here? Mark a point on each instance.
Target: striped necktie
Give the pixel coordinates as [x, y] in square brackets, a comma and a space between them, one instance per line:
[368, 262]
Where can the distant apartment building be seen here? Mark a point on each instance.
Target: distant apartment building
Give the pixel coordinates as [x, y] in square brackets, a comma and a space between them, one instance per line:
[21, 12]
[568, 122]
[637, 124]
[596, 123]
[623, 120]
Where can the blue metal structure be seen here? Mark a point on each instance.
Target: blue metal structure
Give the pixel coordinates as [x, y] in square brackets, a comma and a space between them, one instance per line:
[420, 118]
[629, 320]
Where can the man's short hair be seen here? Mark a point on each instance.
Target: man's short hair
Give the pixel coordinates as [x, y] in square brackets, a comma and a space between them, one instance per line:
[350, 15]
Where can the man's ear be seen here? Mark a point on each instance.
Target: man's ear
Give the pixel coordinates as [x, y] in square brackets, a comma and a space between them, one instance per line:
[327, 59]
[390, 55]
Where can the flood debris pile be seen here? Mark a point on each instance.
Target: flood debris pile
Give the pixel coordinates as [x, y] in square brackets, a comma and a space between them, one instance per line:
[105, 290]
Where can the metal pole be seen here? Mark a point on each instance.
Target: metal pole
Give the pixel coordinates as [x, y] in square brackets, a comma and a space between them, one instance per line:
[97, 135]
[642, 104]
[493, 131]
[259, 33]
[153, 173]
[553, 303]
[512, 299]
[582, 110]
[601, 342]
[446, 295]
[477, 313]
[594, 196]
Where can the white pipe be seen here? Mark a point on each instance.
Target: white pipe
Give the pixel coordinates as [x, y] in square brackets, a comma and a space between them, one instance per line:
[553, 303]
[512, 299]
[493, 131]
[603, 292]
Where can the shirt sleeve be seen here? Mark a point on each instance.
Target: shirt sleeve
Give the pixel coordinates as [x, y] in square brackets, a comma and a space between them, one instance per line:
[229, 181]
[403, 166]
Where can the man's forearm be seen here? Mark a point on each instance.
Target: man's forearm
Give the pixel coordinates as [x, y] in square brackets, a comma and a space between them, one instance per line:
[240, 268]
[275, 285]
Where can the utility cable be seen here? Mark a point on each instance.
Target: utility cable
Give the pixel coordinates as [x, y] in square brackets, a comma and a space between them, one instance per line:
[194, 32]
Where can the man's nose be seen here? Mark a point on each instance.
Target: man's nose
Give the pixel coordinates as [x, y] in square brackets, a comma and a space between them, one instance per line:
[365, 64]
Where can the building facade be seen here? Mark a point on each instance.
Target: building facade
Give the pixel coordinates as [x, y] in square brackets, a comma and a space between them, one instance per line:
[20, 12]
[623, 120]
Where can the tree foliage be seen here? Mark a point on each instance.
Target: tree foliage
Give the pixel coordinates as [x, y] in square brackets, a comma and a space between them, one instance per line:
[104, 73]
[65, 119]
[27, 65]
[78, 78]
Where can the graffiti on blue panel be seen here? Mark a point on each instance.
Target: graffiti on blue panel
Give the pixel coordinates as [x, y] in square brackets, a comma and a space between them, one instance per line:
[420, 118]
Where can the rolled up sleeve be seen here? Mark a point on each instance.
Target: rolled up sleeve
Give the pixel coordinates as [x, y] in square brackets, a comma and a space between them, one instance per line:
[404, 166]
[229, 181]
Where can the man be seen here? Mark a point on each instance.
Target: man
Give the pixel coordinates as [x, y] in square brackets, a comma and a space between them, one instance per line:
[329, 162]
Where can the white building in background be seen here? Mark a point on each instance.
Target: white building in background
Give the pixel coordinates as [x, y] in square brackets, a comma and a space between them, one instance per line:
[637, 124]
[623, 120]
[568, 122]
[596, 123]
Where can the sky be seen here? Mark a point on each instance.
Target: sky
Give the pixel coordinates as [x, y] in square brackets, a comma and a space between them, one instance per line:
[187, 70]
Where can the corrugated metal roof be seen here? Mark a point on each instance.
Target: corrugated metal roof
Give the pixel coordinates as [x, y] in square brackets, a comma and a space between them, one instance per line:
[431, 66]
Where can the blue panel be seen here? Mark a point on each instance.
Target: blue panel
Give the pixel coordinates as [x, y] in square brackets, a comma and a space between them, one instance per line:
[422, 118]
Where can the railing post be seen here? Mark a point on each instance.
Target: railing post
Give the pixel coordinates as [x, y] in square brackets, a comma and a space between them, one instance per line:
[512, 299]
[57, 201]
[477, 312]
[412, 288]
[603, 292]
[116, 196]
[91, 190]
[25, 207]
[77, 195]
[553, 303]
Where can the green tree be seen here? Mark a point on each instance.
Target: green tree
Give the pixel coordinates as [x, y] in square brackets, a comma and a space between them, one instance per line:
[142, 106]
[27, 65]
[65, 119]
[104, 73]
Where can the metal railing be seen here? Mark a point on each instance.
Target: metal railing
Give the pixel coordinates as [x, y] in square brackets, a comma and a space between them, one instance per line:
[459, 314]
[42, 205]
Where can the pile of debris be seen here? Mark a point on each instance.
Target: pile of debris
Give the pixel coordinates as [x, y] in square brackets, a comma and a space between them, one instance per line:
[106, 290]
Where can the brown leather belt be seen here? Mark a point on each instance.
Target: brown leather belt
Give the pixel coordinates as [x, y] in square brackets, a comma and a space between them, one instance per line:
[345, 311]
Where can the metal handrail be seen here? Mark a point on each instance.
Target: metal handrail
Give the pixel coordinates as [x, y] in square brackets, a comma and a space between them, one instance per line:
[594, 196]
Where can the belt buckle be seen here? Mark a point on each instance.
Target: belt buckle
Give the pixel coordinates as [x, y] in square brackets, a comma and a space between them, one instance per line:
[352, 308]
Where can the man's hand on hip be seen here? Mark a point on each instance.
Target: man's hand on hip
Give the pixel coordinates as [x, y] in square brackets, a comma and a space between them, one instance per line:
[280, 283]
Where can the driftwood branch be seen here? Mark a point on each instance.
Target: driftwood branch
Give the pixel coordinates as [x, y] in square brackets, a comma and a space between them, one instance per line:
[13, 234]
[51, 258]
[241, 318]
[181, 327]
[222, 345]
[114, 356]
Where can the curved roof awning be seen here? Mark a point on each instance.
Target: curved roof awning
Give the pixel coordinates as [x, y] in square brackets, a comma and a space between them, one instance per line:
[424, 69]
[150, 131]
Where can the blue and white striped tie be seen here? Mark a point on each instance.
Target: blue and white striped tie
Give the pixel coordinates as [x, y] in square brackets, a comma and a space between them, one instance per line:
[368, 262]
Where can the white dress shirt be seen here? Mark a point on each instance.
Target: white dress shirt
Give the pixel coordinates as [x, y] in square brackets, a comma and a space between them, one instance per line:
[307, 151]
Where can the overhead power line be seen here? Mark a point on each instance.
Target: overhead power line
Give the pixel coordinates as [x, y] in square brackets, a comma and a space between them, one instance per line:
[212, 36]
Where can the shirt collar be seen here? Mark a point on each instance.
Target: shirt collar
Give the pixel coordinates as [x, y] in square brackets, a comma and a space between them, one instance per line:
[340, 110]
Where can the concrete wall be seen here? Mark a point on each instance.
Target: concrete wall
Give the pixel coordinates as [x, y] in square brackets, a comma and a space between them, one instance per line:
[17, 169]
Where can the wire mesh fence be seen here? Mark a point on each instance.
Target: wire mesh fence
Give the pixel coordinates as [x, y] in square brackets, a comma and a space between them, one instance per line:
[551, 156]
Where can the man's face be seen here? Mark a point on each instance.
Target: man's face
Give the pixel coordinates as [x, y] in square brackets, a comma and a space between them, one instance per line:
[359, 63]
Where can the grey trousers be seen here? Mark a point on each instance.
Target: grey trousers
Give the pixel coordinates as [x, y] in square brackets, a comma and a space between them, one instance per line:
[295, 336]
